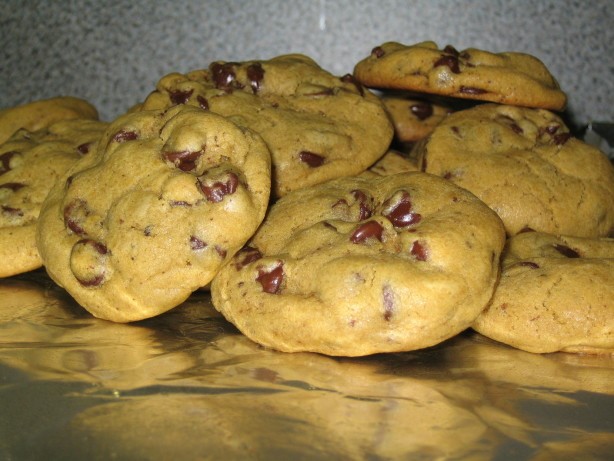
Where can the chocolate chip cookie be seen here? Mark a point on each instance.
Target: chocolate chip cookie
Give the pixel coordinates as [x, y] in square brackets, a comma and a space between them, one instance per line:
[166, 199]
[507, 78]
[556, 294]
[36, 115]
[362, 265]
[30, 164]
[317, 126]
[525, 165]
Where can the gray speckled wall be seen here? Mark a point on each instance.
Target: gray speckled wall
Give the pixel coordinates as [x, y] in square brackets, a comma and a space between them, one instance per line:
[113, 52]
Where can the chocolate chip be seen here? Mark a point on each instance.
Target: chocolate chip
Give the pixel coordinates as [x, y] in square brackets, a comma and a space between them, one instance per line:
[449, 61]
[123, 136]
[5, 161]
[561, 138]
[216, 191]
[271, 280]
[388, 301]
[529, 264]
[370, 229]
[13, 186]
[184, 160]
[378, 52]
[89, 255]
[401, 214]
[221, 251]
[224, 76]
[196, 243]
[311, 159]
[471, 89]
[449, 49]
[14, 212]
[422, 110]
[255, 74]
[74, 213]
[180, 97]
[364, 204]
[419, 251]
[83, 148]
[246, 256]
[202, 102]
[349, 78]
[566, 251]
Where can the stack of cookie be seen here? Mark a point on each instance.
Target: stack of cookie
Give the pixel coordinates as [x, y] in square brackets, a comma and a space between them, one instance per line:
[281, 188]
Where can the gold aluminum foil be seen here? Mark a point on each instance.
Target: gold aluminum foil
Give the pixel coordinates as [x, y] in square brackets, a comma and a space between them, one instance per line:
[187, 386]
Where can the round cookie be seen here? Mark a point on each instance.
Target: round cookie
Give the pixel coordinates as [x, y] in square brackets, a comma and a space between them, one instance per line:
[413, 118]
[526, 166]
[150, 217]
[363, 265]
[317, 126]
[508, 78]
[30, 164]
[36, 115]
[556, 293]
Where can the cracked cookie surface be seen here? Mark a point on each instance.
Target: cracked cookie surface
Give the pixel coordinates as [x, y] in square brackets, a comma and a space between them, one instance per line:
[556, 293]
[363, 265]
[152, 214]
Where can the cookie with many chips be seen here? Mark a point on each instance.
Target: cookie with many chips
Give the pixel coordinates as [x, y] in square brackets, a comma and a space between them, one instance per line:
[506, 78]
[362, 265]
[153, 213]
[556, 294]
[525, 164]
[30, 164]
[318, 126]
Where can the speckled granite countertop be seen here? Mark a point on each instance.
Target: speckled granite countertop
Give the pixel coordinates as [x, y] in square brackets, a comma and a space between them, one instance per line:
[113, 52]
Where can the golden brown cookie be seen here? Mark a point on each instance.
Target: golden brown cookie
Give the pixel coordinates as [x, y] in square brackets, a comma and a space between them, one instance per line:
[556, 294]
[317, 126]
[362, 265]
[507, 78]
[149, 217]
[413, 118]
[30, 164]
[36, 115]
[526, 166]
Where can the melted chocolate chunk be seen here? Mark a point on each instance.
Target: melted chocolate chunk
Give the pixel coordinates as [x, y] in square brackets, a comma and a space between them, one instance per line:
[449, 49]
[311, 159]
[370, 229]
[364, 205]
[419, 251]
[566, 251]
[255, 74]
[449, 61]
[561, 138]
[471, 89]
[271, 280]
[71, 212]
[83, 148]
[196, 243]
[221, 251]
[224, 76]
[96, 249]
[247, 256]
[401, 215]
[202, 102]
[13, 186]
[180, 97]
[378, 52]
[349, 78]
[12, 211]
[123, 136]
[5, 161]
[218, 190]
[184, 160]
[422, 110]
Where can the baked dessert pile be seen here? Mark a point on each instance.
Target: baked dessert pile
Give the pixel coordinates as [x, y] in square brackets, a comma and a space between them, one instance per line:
[429, 191]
